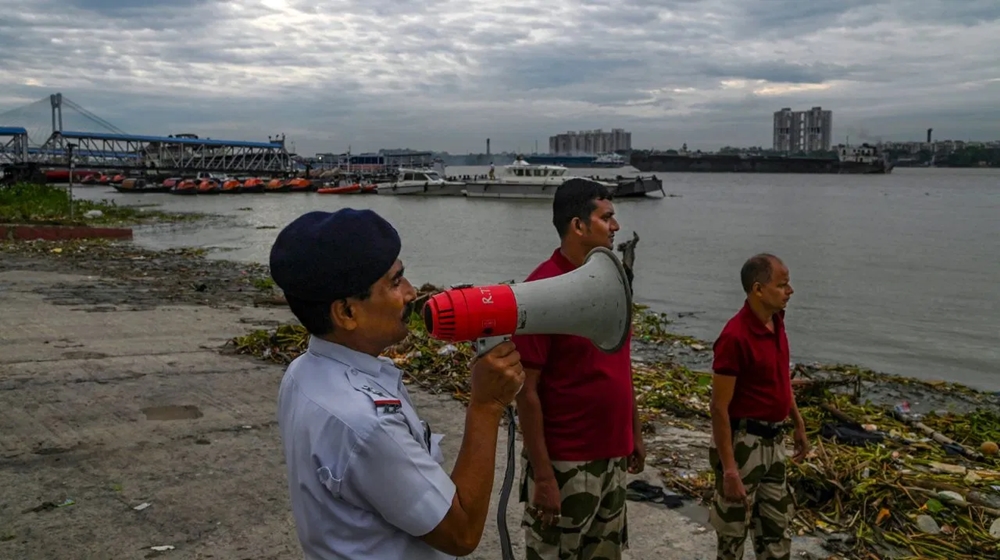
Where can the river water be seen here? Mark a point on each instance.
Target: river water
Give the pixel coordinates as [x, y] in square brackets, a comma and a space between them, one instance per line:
[898, 273]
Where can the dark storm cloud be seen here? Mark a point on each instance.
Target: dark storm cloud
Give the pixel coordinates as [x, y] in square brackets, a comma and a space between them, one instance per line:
[444, 74]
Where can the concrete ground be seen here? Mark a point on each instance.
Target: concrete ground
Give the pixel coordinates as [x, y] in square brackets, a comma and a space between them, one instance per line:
[122, 430]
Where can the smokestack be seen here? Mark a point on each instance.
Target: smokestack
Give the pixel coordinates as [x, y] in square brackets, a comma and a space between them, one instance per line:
[929, 130]
[487, 146]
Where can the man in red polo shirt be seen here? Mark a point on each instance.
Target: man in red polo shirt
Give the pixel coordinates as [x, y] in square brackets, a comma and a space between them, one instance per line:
[751, 400]
[577, 409]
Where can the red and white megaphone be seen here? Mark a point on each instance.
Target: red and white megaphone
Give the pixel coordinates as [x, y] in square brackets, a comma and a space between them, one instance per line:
[594, 301]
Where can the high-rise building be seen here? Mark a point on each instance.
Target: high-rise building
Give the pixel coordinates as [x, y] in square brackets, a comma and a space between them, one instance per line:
[806, 131]
[588, 142]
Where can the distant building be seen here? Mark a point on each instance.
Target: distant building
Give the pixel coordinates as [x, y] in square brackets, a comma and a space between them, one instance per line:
[806, 131]
[587, 142]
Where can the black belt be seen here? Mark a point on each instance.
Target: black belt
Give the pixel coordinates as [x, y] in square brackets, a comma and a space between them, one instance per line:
[759, 428]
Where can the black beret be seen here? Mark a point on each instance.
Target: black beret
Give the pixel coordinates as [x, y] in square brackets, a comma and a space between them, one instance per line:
[326, 256]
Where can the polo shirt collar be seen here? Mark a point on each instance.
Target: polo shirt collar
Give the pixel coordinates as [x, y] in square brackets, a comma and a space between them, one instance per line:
[560, 260]
[755, 324]
[381, 369]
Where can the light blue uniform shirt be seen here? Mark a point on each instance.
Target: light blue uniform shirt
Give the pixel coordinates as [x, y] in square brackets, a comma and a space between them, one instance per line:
[364, 472]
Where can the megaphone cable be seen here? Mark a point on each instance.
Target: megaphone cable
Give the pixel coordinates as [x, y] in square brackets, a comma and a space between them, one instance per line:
[508, 482]
[481, 347]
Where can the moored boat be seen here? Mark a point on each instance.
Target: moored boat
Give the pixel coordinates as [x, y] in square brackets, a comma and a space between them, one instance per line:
[277, 185]
[421, 182]
[232, 186]
[862, 159]
[342, 189]
[522, 180]
[186, 186]
[140, 185]
[607, 160]
[208, 186]
[299, 184]
[253, 185]
[635, 187]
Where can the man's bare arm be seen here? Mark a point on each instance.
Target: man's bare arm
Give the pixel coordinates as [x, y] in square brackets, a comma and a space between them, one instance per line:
[723, 387]
[462, 527]
[529, 412]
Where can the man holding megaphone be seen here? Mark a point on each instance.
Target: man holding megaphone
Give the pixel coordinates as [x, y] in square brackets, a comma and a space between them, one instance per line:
[364, 472]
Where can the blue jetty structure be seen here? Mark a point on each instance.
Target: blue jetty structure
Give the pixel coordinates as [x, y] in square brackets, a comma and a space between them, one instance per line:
[13, 144]
[115, 149]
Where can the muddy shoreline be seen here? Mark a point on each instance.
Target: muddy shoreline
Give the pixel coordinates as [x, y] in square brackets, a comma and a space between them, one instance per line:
[137, 278]
[131, 432]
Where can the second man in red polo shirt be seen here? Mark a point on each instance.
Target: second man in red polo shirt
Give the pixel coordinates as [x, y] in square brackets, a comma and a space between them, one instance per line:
[577, 409]
[751, 400]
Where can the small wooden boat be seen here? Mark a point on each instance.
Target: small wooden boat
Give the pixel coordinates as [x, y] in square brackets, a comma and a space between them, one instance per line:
[232, 186]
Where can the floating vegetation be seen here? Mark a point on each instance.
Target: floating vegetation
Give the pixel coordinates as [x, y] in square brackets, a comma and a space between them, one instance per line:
[886, 483]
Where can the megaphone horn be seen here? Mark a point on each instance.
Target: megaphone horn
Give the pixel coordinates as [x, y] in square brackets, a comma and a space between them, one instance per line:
[594, 301]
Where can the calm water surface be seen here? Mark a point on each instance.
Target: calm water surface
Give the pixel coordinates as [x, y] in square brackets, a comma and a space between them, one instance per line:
[898, 273]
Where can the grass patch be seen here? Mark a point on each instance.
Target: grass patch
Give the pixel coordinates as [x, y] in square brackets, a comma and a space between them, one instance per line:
[29, 203]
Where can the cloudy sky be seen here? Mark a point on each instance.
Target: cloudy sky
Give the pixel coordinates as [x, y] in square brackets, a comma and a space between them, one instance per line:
[445, 75]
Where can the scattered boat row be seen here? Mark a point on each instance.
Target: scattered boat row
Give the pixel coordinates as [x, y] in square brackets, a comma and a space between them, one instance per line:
[519, 180]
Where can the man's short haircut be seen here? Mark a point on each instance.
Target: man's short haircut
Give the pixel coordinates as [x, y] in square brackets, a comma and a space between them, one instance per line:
[758, 268]
[576, 198]
[315, 315]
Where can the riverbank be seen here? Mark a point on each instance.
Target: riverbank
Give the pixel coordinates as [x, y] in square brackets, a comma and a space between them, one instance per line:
[108, 342]
[48, 205]
[132, 430]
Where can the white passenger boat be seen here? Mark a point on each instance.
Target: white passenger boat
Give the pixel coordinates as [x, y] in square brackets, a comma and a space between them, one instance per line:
[424, 182]
[523, 180]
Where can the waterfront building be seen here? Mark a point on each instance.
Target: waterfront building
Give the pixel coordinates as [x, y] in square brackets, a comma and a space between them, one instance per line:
[803, 131]
[590, 142]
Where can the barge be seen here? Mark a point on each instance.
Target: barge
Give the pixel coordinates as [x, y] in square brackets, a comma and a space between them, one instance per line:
[863, 159]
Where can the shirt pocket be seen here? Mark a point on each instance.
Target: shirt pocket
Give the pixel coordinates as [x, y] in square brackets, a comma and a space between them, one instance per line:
[330, 482]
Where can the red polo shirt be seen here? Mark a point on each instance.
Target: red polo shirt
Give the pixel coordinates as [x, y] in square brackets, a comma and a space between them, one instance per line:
[758, 358]
[586, 394]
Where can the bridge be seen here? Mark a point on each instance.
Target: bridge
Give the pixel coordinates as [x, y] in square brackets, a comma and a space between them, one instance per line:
[27, 144]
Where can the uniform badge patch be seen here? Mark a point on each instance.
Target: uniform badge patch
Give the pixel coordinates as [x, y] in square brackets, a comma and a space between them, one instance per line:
[388, 405]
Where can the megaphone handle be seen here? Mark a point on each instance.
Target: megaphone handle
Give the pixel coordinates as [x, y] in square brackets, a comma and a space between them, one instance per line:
[483, 346]
[487, 343]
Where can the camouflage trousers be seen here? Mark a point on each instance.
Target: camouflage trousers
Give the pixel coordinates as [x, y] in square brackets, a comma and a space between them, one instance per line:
[593, 525]
[762, 467]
